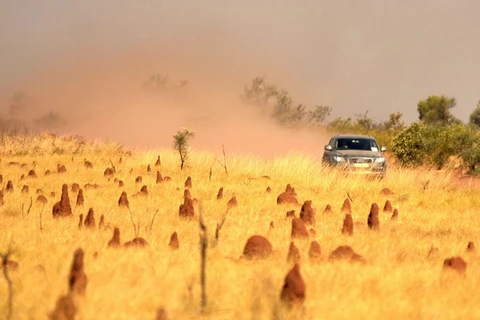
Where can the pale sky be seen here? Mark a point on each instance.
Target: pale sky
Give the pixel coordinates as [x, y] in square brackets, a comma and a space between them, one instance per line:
[377, 55]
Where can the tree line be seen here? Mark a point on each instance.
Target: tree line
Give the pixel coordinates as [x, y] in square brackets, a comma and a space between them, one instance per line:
[434, 139]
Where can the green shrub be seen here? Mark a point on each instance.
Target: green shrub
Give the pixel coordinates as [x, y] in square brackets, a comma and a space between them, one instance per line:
[444, 142]
[470, 150]
[409, 145]
[426, 144]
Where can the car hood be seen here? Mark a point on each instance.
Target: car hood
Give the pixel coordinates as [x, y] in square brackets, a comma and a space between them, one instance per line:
[358, 153]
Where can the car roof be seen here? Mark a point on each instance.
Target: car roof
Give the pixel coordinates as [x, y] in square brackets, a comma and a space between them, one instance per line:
[353, 136]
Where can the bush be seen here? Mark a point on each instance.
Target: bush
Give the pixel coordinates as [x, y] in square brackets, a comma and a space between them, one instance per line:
[470, 151]
[409, 145]
[424, 144]
[446, 141]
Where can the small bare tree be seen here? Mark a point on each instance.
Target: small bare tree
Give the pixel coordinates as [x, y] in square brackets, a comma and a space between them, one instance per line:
[4, 257]
[224, 164]
[180, 143]
[203, 257]
[136, 227]
[41, 211]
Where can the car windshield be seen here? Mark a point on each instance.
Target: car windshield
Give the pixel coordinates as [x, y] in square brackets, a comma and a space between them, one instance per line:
[356, 144]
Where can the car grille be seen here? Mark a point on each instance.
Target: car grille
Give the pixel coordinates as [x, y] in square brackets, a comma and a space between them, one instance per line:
[361, 160]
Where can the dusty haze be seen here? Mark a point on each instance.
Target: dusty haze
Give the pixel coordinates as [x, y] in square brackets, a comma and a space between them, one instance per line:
[89, 59]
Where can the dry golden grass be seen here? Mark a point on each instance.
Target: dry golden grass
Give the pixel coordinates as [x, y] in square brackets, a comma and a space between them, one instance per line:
[397, 282]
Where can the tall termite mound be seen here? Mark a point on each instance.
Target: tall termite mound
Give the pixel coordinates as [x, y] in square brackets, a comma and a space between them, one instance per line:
[65, 309]
[293, 253]
[9, 187]
[314, 252]
[115, 241]
[123, 200]
[186, 210]
[328, 209]
[394, 214]
[188, 182]
[346, 207]
[159, 178]
[471, 246]
[63, 207]
[299, 230]
[174, 244]
[348, 225]
[307, 213]
[232, 202]
[80, 199]
[90, 219]
[220, 194]
[293, 291]
[75, 187]
[388, 206]
[373, 220]
[77, 280]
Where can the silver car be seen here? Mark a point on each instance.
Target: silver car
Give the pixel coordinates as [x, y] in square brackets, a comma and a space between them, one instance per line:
[356, 153]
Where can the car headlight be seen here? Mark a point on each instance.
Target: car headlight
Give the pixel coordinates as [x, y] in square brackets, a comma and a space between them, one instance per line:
[338, 159]
[380, 159]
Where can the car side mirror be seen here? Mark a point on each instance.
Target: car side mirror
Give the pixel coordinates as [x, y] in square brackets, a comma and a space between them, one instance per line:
[328, 147]
[384, 149]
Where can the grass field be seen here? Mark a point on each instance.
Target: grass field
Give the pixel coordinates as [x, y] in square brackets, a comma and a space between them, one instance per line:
[399, 281]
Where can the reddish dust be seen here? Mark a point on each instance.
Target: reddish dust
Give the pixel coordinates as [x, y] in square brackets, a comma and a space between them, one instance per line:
[89, 61]
[110, 99]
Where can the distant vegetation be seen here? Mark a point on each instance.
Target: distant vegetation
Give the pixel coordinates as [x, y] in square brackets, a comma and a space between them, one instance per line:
[16, 120]
[277, 103]
[436, 139]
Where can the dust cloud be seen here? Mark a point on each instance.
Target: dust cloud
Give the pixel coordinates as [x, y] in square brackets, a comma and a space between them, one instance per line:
[110, 99]
[89, 60]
